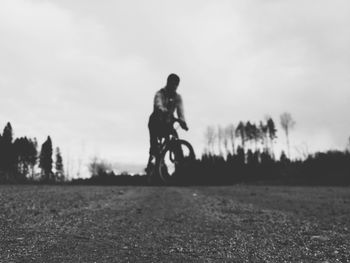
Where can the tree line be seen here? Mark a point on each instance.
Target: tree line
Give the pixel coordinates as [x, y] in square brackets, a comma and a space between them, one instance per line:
[245, 154]
[21, 161]
[247, 137]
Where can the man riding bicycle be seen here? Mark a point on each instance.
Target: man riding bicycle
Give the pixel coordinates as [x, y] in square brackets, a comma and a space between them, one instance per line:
[160, 125]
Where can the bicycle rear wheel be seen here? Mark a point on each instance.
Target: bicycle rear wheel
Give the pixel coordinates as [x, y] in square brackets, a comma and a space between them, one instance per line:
[175, 160]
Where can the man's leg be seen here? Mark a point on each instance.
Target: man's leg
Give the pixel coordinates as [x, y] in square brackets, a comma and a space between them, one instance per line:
[153, 150]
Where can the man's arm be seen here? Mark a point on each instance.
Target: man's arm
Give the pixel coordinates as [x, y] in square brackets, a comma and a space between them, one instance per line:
[158, 102]
[180, 112]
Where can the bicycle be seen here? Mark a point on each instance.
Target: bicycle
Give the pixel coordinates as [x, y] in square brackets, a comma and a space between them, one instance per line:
[173, 159]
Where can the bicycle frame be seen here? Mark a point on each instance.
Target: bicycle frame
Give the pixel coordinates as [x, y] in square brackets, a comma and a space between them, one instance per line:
[164, 141]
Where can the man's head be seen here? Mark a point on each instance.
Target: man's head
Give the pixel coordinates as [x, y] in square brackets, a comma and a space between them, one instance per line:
[172, 82]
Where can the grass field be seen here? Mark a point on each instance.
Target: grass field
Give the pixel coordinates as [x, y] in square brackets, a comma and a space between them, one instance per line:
[173, 224]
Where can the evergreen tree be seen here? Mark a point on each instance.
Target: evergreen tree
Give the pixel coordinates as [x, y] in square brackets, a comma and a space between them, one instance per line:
[250, 157]
[240, 156]
[19, 146]
[249, 133]
[7, 135]
[32, 155]
[46, 160]
[283, 158]
[263, 135]
[7, 154]
[59, 175]
[26, 155]
[256, 134]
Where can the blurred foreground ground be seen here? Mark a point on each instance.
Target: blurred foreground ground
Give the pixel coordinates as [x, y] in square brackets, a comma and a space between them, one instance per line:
[174, 224]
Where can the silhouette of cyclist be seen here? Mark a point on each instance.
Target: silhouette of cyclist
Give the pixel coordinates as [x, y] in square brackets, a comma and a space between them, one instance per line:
[166, 102]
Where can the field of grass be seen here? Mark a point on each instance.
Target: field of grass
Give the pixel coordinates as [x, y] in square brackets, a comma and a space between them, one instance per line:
[174, 224]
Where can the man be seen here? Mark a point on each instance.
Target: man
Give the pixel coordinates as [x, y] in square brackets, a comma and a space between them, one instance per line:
[166, 102]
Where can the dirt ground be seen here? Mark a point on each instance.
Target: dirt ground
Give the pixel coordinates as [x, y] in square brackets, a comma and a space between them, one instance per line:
[174, 224]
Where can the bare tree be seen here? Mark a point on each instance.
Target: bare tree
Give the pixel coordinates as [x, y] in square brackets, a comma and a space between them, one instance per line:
[210, 137]
[221, 138]
[231, 133]
[227, 139]
[303, 150]
[287, 123]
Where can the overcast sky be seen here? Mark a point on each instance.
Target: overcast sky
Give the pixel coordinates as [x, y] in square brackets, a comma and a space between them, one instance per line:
[85, 72]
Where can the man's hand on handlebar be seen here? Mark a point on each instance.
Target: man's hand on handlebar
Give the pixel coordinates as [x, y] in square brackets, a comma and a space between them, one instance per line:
[183, 125]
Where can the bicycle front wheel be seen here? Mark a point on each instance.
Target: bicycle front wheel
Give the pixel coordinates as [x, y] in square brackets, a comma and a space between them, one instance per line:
[175, 160]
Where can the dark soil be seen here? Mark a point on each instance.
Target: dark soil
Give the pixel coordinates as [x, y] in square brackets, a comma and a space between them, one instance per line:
[174, 224]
